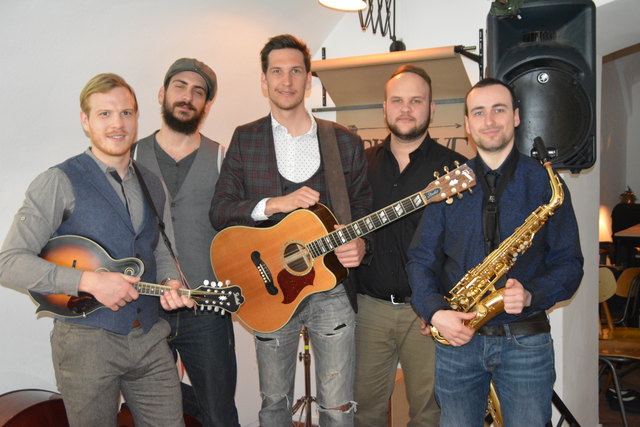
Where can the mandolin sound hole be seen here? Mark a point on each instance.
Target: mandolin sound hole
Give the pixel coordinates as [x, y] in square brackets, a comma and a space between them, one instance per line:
[297, 259]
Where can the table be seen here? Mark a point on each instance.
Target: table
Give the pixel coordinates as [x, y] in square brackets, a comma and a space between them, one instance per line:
[625, 242]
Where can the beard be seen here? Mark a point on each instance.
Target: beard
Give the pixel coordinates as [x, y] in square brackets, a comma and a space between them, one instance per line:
[416, 132]
[187, 127]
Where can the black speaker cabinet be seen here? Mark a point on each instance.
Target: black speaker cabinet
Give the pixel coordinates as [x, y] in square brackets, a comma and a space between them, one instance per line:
[547, 54]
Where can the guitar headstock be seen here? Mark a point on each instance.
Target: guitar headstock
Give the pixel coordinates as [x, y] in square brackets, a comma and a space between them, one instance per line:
[450, 184]
[218, 297]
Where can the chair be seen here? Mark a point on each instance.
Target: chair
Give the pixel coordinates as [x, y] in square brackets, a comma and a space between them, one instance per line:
[616, 345]
[628, 289]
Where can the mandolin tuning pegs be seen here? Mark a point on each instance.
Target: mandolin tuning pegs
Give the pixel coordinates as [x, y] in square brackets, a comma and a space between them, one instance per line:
[449, 200]
[436, 175]
[459, 196]
[457, 163]
[470, 190]
[446, 169]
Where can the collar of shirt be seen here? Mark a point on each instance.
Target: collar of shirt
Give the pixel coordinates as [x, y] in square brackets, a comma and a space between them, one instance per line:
[298, 157]
[422, 150]
[107, 169]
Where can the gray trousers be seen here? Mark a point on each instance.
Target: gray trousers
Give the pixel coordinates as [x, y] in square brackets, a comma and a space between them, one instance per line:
[93, 366]
[386, 334]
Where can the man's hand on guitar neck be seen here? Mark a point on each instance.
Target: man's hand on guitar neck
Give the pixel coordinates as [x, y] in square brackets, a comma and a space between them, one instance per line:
[351, 254]
[113, 290]
[301, 198]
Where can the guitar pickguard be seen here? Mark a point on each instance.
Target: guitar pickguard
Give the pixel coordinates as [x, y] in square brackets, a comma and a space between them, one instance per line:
[291, 285]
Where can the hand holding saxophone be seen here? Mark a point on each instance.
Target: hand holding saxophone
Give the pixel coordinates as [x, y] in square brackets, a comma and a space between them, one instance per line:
[451, 325]
[516, 297]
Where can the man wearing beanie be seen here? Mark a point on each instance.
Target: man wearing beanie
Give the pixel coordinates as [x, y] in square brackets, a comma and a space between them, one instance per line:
[187, 161]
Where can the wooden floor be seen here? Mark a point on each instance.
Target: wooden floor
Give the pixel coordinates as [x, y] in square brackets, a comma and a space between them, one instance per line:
[612, 418]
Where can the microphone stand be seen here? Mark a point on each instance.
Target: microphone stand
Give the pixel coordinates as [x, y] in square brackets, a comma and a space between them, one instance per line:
[305, 401]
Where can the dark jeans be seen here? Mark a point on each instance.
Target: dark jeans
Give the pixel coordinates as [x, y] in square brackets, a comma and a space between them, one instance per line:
[206, 345]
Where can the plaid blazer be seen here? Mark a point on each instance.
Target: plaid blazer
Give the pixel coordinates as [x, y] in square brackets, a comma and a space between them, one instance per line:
[249, 174]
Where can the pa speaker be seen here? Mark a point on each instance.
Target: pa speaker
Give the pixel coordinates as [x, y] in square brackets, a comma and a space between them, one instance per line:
[546, 52]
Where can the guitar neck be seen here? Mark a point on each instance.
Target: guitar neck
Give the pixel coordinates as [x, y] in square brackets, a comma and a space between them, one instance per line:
[154, 289]
[371, 222]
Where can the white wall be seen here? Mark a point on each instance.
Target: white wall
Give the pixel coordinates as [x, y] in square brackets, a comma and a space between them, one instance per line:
[50, 49]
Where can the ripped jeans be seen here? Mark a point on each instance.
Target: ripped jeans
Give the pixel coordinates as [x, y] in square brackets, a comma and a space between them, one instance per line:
[331, 323]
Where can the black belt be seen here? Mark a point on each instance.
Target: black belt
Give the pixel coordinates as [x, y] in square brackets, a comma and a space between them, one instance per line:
[537, 324]
[394, 299]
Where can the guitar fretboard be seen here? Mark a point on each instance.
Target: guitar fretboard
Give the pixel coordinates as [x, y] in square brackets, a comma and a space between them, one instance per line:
[371, 222]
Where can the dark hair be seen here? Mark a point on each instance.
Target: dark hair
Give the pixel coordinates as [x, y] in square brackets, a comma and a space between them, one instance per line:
[490, 81]
[409, 68]
[284, 41]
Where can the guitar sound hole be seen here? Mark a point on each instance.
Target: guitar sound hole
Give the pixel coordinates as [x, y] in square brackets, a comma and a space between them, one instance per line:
[297, 258]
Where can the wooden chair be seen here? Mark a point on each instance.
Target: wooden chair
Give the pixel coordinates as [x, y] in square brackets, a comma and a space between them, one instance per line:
[617, 345]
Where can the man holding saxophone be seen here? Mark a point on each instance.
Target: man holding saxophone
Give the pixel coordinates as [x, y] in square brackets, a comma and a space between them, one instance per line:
[518, 203]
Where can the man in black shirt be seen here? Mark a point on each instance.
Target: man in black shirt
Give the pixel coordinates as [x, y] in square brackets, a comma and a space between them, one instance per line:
[388, 330]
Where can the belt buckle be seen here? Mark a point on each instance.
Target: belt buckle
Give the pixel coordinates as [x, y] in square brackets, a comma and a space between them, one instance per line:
[394, 302]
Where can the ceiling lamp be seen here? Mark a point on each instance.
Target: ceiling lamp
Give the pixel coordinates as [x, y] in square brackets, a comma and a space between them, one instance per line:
[346, 5]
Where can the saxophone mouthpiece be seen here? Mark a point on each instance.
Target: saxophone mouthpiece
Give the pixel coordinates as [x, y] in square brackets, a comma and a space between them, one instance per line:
[540, 152]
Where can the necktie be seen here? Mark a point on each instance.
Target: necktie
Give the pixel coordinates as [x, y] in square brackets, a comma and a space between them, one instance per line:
[115, 176]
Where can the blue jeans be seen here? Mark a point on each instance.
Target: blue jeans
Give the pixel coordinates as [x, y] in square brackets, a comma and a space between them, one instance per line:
[331, 322]
[206, 345]
[521, 367]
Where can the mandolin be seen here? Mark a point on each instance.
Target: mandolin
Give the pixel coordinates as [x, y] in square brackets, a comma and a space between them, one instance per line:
[85, 254]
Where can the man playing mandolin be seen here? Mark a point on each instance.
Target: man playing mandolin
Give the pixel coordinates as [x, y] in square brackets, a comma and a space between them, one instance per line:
[98, 195]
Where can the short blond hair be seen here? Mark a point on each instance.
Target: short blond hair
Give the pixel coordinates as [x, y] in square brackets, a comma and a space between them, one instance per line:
[103, 83]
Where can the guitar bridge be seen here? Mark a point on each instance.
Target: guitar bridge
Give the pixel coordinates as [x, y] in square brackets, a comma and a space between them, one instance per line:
[265, 273]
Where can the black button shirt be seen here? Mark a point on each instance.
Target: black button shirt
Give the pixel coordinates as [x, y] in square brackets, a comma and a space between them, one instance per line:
[385, 274]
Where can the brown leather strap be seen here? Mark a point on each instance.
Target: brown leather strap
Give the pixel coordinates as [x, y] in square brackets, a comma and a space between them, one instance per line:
[333, 172]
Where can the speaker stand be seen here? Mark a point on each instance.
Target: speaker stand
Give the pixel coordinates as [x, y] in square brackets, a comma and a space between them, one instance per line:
[305, 401]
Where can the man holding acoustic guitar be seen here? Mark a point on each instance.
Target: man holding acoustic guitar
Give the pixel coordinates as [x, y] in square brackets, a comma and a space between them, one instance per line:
[275, 165]
[100, 196]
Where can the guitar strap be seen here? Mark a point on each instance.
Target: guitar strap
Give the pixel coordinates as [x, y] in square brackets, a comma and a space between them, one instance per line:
[333, 171]
[161, 224]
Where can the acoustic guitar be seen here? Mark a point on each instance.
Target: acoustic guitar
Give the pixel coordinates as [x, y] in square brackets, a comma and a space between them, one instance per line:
[279, 266]
[85, 254]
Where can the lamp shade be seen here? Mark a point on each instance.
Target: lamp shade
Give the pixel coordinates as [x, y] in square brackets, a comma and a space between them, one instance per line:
[346, 5]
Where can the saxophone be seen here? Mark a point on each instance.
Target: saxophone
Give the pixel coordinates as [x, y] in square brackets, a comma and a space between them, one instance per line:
[476, 290]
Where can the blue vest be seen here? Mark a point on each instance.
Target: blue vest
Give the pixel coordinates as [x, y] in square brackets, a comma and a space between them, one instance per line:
[100, 215]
